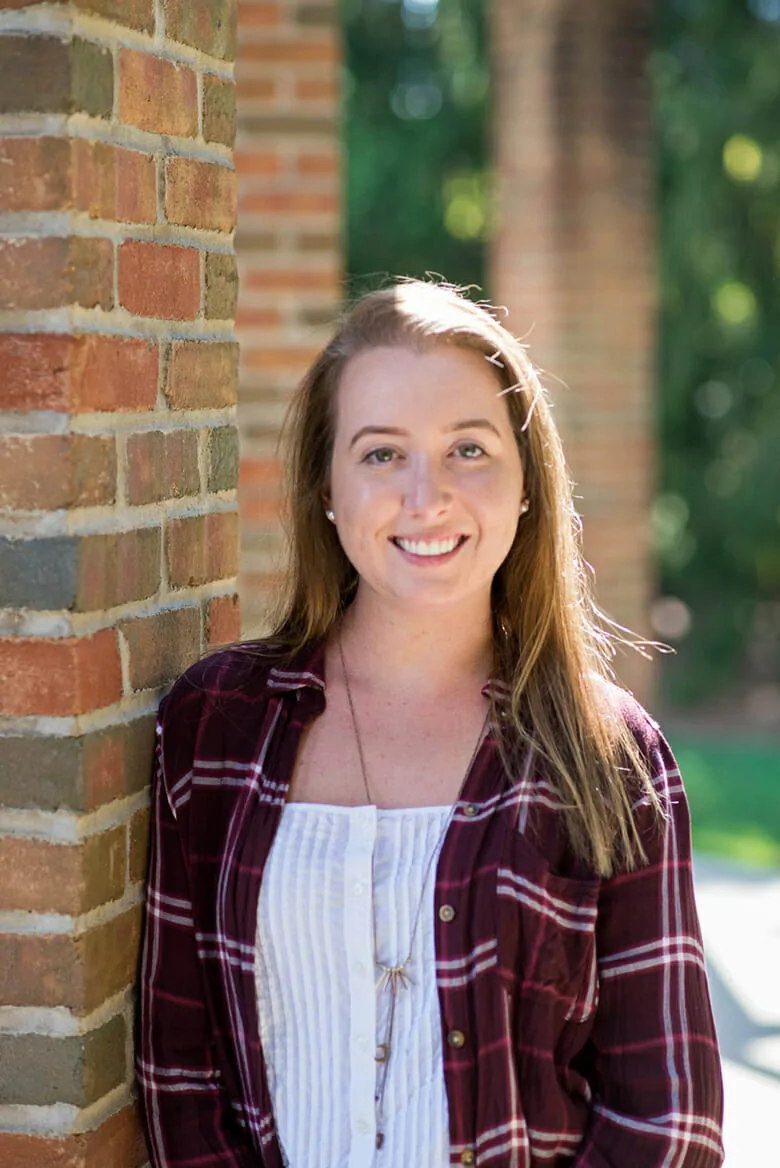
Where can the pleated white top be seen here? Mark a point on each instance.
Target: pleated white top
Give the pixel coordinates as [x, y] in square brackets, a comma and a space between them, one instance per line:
[331, 870]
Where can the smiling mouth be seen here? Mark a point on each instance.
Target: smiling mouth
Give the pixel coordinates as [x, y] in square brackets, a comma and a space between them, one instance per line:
[432, 549]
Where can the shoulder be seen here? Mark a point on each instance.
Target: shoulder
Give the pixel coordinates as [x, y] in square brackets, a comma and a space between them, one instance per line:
[239, 670]
[622, 709]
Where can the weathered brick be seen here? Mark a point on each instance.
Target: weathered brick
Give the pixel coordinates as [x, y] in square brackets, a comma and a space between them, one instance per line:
[219, 110]
[38, 573]
[261, 15]
[54, 371]
[109, 953]
[223, 621]
[295, 50]
[36, 174]
[36, 1069]
[42, 74]
[161, 646]
[116, 1142]
[38, 273]
[209, 25]
[49, 471]
[157, 95]
[162, 466]
[117, 567]
[202, 375]
[221, 286]
[64, 878]
[41, 971]
[139, 846]
[202, 548]
[113, 183]
[137, 14]
[113, 373]
[289, 203]
[223, 458]
[200, 194]
[116, 762]
[41, 772]
[159, 280]
[73, 675]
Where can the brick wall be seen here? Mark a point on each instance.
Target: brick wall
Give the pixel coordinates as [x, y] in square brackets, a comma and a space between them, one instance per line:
[573, 260]
[118, 524]
[288, 245]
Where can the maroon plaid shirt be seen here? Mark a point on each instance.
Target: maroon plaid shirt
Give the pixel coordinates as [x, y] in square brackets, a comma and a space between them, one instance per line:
[576, 1021]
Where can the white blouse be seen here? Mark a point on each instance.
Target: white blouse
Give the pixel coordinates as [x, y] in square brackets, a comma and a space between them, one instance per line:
[321, 1013]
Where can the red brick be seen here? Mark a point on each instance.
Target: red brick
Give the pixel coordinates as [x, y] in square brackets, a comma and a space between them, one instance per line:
[259, 15]
[55, 371]
[319, 163]
[113, 183]
[264, 162]
[317, 89]
[258, 88]
[289, 202]
[159, 280]
[40, 971]
[200, 194]
[117, 761]
[71, 676]
[114, 1143]
[295, 360]
[49, 471]
[117, 567]
[156, 95]
[160, 647]
[162, 466]
[113, 373]
[38, 273]
[292, 279]
[63, 878]
[325, 51]
[223, 620]
[202, 548]
[249, 318]
[202, 375]
[35, 174]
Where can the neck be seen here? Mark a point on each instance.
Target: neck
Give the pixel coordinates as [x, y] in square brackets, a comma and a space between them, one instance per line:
[429, 652]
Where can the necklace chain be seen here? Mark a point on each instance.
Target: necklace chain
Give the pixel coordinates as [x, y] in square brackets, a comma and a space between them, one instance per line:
[395, 977]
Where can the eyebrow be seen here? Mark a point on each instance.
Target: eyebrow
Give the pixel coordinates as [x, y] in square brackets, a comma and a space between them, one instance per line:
[467, 424]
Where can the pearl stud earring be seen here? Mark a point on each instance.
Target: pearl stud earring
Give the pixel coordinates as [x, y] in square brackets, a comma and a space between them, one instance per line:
[330, 515]
[524, 506]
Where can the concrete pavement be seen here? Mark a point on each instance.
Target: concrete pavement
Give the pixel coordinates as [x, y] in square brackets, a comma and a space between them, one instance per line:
[740, 917]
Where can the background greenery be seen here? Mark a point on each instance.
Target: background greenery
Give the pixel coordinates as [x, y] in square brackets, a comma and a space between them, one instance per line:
[418, 199]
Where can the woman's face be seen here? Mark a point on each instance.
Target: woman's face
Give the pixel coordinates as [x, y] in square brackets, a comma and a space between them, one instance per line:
[426, 479]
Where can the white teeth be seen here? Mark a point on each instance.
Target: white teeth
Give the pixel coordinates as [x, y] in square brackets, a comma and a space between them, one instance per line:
[438, 547]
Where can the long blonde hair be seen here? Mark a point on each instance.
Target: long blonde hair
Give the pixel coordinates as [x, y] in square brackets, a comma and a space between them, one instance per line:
[552, 646]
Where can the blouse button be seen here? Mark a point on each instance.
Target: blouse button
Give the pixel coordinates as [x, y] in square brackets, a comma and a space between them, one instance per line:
[470, 810]
[446, 913]
[456, 1038]
[468, 1156]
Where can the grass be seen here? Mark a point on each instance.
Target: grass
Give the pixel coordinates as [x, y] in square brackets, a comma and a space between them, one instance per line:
[734, 790]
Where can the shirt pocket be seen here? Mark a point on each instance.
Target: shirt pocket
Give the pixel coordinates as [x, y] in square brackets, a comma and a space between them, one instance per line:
[546, 933]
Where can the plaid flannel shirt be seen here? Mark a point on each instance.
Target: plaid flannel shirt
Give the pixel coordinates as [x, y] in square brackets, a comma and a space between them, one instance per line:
[576, 1021]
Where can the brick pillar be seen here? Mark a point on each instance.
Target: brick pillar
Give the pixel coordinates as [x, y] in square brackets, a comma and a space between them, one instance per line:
[118, 523]
[288, 245]
[573, 260]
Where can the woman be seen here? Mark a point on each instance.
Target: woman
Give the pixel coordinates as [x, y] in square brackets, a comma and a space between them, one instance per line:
[420, 886]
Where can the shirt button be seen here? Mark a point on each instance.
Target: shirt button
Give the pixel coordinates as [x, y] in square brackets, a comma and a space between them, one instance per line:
[357, 888]
[468, 1156]
[456, 1038]
[362, 1127]
[470, 810]
[362, 1042]
[446, 913]
[360, 968]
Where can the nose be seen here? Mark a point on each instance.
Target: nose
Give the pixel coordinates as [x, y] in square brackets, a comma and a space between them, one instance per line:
[427, 491]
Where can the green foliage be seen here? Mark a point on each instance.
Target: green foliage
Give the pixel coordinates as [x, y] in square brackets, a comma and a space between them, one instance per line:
[734, 792]
[716, 79]
[416, 139]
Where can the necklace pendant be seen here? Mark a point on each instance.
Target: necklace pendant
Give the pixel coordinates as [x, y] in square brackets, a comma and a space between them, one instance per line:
[394, 977]
[382, 1052]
